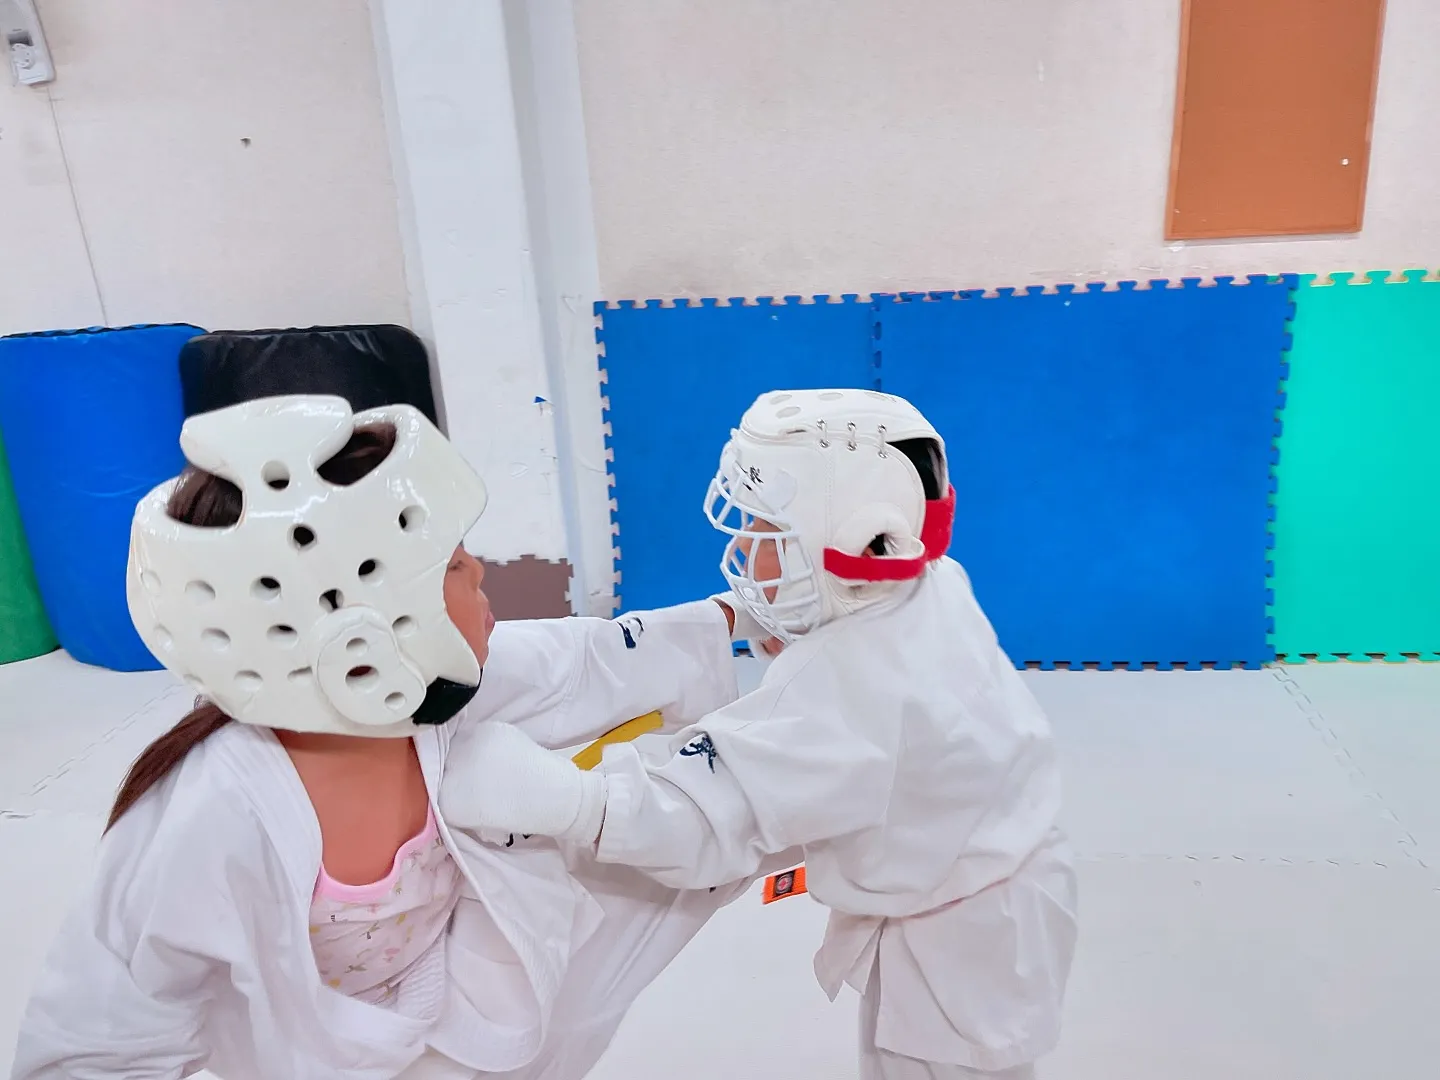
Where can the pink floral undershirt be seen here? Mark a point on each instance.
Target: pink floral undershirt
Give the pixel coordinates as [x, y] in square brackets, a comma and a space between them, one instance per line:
[366, 937]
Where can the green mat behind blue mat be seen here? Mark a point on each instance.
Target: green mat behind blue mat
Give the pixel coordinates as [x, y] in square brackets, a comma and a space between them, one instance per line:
[24, 630]
[1357, 507]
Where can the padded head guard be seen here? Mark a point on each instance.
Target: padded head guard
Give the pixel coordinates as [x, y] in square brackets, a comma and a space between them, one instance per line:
[322, 609]
[828, 477]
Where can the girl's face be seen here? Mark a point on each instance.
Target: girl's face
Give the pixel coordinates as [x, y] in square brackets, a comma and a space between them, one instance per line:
[466, 604]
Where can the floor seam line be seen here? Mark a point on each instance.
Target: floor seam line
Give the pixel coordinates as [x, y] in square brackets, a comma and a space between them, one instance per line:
[89, 749]
[1407, 841]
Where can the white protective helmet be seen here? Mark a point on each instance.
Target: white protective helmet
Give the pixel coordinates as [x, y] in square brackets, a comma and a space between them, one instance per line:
[322, 609]
[827, 475]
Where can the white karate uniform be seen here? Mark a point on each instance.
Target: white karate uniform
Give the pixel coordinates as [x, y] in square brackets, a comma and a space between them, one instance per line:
[902, 750]
[191, 950]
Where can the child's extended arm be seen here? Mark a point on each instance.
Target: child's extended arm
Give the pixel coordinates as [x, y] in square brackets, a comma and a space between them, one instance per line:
[771, 772]
[567, 681]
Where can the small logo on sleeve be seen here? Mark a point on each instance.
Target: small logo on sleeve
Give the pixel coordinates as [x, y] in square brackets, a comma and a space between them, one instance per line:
[702, 747]
[632, 627]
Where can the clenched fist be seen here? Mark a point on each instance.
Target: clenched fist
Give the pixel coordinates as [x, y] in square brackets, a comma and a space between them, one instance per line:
[498, 780]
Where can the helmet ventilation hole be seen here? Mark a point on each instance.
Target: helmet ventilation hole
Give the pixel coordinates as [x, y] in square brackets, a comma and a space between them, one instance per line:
[357, 646]
[303, 537]
[363, 678]
[369, 570]
[395, 701]
[332, 600]
[275, 475]
[216, 638]
[412, 519]
[301, 676]
[200, 592]
[281, 635]
[787, 412]
[265, 588]
[403, 625]
[248, 680]
[151, 581]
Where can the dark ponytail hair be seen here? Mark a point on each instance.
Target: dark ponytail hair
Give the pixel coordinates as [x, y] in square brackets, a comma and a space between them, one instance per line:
[207, 501]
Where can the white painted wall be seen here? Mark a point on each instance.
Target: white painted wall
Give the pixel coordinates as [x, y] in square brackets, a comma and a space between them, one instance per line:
[267, 163]
[754, 147]
[734, 148]
[136, 153]
[458, 152]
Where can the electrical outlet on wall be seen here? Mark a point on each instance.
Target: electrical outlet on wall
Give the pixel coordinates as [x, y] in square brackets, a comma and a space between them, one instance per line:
[30, 61]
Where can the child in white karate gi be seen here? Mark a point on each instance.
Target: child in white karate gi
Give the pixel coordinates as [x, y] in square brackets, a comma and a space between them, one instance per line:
[891, 739]
[278, 897]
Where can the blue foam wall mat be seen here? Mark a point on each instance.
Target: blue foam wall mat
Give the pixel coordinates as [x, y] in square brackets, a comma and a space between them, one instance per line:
[91, 422]
[1111, 455]
[677, 381]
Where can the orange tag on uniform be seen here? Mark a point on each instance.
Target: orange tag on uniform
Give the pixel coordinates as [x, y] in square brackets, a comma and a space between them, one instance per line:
[783, 886]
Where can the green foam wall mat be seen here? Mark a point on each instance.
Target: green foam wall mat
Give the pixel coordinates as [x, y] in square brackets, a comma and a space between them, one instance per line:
[1357, 503]
[24, 630]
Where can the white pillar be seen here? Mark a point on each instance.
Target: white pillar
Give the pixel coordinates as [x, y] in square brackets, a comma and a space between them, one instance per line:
[562, 218]
[500, 253]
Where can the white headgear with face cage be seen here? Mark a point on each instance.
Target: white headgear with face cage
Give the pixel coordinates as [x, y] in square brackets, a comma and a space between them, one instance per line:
[816, 474]
[322, 609]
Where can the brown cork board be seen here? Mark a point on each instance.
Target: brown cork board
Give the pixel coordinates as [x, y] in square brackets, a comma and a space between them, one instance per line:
[1272, 117]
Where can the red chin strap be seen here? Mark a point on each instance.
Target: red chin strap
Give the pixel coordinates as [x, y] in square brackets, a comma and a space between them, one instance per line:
[934, 534]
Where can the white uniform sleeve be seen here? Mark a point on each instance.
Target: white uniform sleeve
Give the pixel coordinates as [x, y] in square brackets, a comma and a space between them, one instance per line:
[125, 985]
[567, 681]
[780, 768]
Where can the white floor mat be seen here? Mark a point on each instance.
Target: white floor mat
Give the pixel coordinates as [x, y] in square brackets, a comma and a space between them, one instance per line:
[1205, 763]
[1257, 898]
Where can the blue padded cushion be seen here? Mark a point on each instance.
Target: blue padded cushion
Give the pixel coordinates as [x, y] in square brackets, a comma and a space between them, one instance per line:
[91, 422]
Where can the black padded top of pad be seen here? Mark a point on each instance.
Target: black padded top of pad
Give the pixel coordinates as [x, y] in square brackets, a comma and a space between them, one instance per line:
[369, 366]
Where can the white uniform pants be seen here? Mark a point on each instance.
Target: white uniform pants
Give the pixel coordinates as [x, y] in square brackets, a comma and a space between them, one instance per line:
[1025, 924]
[877, 1064]
[645, 927]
